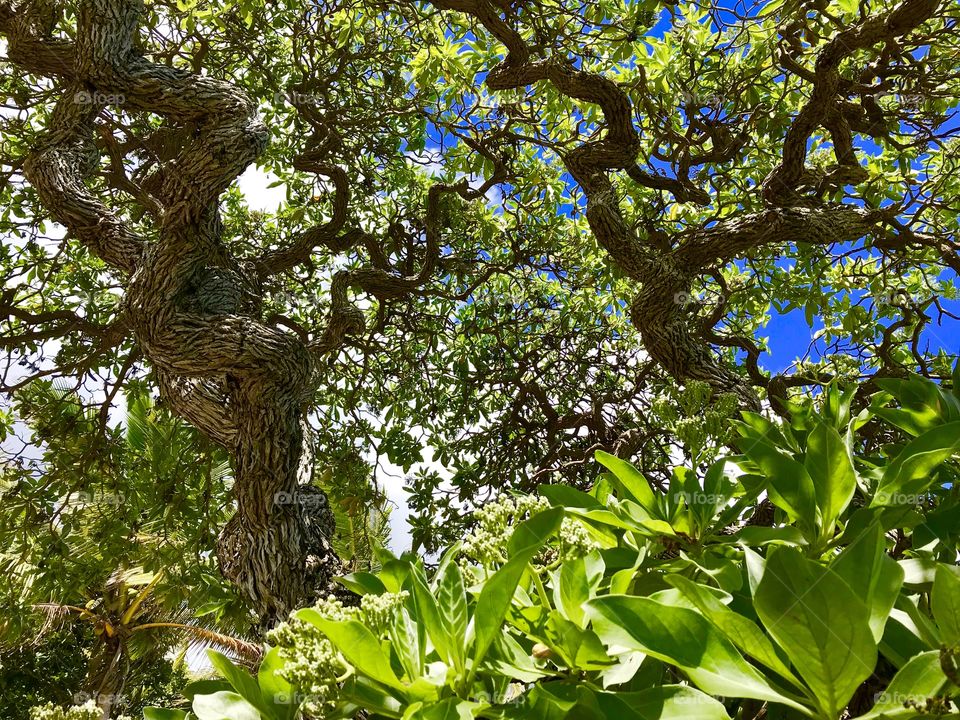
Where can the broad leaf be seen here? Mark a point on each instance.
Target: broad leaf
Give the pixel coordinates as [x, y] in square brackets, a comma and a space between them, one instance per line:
[240, 680]
[358, 645]
[741, 631]
[497, 592]
[820, 623]
[874, 576]
[630, 480]
[684, 638]
[830, 466]
[224, 706]
[911, 472]
[916, 681]
[945, 604]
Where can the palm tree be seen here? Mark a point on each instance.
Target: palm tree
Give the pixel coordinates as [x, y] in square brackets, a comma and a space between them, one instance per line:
[129, 625]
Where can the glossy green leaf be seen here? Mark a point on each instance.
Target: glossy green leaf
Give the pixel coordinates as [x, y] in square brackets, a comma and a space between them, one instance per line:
[224, 706]
[240, 680]
[497, 592]
[821, 625]
[153, 713]
[630, 480]
[830, 466]
[874, 576]
[945, 604]
[358, 645]
[741, 631]
[911, 472]
[919, 679]
[278, 694]
[684, 638]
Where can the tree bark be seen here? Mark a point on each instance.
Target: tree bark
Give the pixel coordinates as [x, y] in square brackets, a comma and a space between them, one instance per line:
[194, 310]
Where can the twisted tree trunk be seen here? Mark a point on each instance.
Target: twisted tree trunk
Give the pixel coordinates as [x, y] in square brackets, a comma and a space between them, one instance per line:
[193, 310]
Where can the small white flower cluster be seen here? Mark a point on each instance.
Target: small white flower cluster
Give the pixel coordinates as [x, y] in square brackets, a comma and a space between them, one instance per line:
[87, 711]
[487, 543]
[575, 541]
[378, 610]
[313, 664]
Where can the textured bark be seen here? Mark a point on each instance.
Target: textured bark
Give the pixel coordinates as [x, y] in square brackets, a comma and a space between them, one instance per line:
[104, 681]
[192, 308]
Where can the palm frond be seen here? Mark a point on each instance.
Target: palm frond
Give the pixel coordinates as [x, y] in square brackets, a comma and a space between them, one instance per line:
[247, 652]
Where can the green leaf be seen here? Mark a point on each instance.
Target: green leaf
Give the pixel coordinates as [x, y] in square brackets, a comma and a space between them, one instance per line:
[224, 706]
[873, 575]
[572, 590]
[945, 604]
[240, 680]
[452, 603]
[153, 713]
[820, 623]
[667, 702]
[363, 583]
[581, 649]
[830, 466]
[428, 614]
[911, 472]
[277, 693]
[916, 681]
[741, 631]
[497, 592]
[684, 638]
[568, 497]
[448, 709]
[529, 536]
[630, 480]
[358, 645]
[788, 483]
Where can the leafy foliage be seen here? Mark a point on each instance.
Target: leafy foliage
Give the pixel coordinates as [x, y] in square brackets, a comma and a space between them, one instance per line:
[498, 241]
[676, 606]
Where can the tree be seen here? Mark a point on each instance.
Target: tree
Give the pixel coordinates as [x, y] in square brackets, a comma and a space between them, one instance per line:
[618, 160]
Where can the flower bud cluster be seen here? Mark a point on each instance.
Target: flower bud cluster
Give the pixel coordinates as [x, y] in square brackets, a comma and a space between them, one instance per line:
[575, 541]
[378, 610]
[313, 664]
[487, 543]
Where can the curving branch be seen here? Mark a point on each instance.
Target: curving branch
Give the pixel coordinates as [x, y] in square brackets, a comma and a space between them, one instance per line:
[826, 107]
[660, 309]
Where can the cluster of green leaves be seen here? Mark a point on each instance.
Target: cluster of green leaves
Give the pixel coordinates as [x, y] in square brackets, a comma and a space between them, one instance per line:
[53, 668]
[100, 496]
[846, 603]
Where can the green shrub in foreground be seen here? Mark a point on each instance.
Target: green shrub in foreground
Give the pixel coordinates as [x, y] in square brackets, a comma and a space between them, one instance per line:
[632, 602]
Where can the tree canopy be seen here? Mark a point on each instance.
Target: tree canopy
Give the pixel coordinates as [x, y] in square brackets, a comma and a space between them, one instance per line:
[508, 235]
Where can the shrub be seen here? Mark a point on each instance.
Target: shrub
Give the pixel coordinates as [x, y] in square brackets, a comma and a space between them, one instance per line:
[811, 575]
